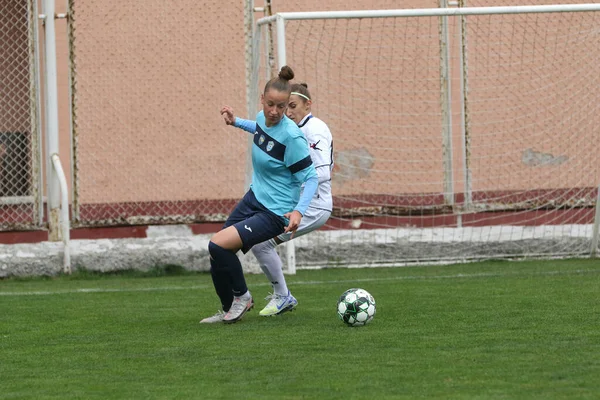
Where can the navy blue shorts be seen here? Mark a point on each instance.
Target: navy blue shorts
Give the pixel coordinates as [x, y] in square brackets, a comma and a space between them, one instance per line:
[254, 222]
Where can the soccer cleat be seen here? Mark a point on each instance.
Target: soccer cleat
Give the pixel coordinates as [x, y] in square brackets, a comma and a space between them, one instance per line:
[218, 317]
[239, 307]
[279, 304]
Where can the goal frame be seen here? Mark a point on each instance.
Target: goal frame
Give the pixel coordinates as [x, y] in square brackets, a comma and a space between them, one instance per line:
[443, 13]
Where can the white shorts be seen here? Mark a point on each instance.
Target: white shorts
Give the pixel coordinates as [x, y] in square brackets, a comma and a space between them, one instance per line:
[313, 219]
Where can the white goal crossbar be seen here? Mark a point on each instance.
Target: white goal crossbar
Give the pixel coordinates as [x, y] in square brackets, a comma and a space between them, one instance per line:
[280, 18]
[431, 12]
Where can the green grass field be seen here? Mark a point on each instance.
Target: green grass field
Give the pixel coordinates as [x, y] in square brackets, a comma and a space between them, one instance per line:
[497, 330]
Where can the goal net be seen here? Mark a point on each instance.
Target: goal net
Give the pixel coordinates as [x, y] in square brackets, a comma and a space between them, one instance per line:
[459, 133]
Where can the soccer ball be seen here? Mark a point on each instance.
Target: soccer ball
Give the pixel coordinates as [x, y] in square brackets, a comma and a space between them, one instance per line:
[356, 307]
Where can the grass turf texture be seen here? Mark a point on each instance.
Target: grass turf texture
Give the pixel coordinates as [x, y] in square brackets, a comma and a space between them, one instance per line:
[498, 330]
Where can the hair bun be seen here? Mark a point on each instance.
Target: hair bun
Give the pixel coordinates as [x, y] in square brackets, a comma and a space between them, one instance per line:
[286, 73]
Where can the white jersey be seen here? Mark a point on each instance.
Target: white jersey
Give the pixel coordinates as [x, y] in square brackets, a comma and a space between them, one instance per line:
[320, 142]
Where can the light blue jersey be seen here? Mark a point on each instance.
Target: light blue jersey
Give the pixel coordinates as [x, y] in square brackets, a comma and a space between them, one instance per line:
[281, 162]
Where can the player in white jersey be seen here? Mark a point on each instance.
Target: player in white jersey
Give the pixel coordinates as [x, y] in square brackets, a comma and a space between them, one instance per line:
[320, 142]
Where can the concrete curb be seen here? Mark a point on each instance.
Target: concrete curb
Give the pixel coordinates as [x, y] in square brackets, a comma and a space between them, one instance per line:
[169, 245]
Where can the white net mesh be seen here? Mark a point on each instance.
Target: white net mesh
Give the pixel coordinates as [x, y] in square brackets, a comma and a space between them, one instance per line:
[533, 120]
[19, 136]
[523, 174]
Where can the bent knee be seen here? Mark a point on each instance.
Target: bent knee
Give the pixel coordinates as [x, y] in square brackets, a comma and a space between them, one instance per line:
[228, 239]
[213, 248]
[264, 247]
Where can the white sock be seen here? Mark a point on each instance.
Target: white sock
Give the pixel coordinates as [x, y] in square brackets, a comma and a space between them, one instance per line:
[246, 295]
[271, 264]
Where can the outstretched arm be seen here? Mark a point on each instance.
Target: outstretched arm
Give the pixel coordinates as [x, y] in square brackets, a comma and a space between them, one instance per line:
[245, 124]
[231, 119]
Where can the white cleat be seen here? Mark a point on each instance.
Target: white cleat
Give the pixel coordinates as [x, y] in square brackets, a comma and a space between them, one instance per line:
[279, 304]
[218, 317]
[239, 307]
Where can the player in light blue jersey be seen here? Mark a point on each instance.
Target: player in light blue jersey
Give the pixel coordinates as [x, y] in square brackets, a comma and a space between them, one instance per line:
[274, 204]
[320, 142]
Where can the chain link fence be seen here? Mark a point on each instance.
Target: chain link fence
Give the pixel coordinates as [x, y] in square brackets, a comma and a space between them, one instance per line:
[148, 83]
[20, 195]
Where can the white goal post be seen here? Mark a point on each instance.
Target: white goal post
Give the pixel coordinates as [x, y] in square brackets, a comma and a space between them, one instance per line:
[460, 133]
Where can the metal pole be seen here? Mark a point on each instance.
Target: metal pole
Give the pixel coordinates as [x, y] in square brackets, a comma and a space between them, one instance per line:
[446, 100]
[434, 12]
[268, 12]
[467, 190]
[64, 212]
[72, 110]
[51, 105]
[596, 234]
[281, 56]
[249, 41]
[37, 151]
[290, 245]
[268, 53]
[251, 82]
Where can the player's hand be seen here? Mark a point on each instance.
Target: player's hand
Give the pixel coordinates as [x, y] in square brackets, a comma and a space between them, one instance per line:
[295, 217]
[227, 113]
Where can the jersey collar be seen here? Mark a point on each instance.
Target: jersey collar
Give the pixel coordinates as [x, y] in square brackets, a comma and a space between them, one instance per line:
[305, 120]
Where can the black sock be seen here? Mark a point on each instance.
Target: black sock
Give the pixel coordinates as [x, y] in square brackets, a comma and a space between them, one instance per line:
[228, 261]
[222, 285]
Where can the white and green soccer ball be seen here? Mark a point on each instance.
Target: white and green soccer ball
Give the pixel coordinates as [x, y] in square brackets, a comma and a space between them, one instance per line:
[356, 307]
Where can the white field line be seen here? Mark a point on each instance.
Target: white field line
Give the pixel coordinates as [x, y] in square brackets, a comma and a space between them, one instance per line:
[350, 281]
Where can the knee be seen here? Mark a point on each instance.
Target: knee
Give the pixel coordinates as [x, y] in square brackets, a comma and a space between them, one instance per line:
[263, 247]
[214, 249]
[227, 239]
[257, 249]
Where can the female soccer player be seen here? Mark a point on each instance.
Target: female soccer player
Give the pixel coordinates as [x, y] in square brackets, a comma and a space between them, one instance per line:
[321, 152]
[282, 164]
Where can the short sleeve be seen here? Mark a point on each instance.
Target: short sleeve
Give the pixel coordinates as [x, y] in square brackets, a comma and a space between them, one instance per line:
[297, 156]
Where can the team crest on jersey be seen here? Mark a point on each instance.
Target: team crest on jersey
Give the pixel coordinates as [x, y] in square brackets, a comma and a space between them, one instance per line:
[261, 140]
[270, 145]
